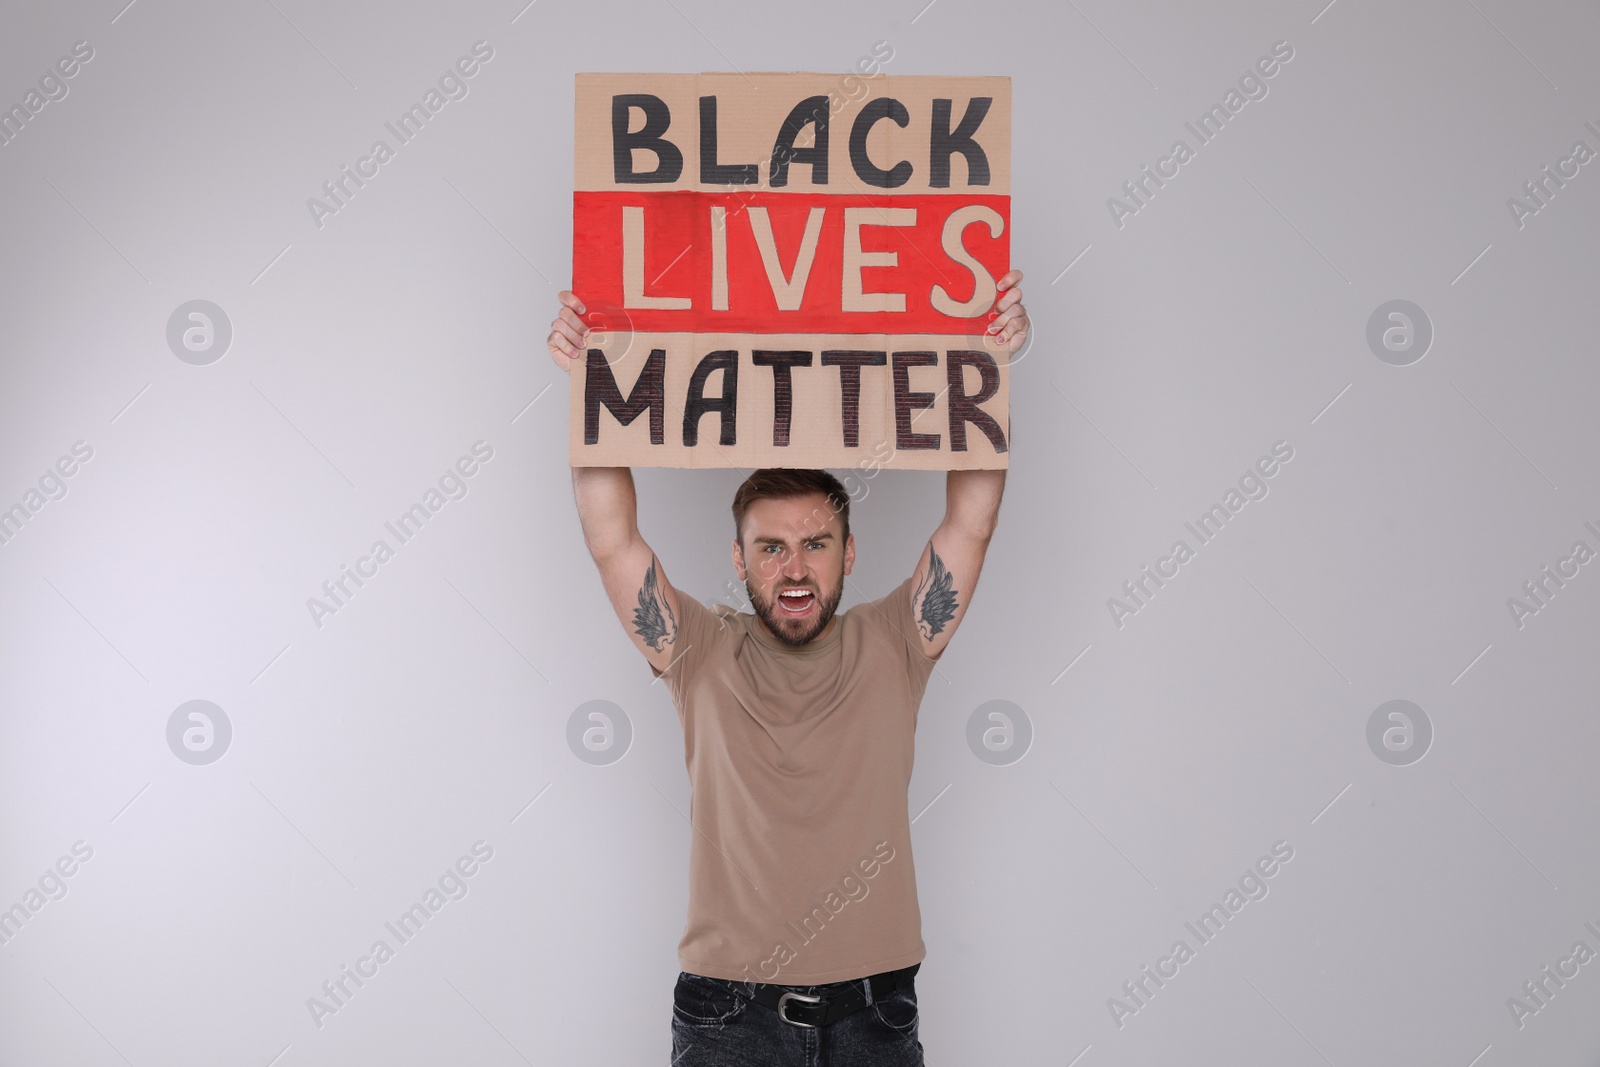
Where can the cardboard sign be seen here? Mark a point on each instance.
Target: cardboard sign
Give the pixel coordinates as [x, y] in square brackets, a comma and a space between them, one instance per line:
[791, 270]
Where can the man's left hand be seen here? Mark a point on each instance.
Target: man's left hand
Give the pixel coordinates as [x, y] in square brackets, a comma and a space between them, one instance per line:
[1010, 325]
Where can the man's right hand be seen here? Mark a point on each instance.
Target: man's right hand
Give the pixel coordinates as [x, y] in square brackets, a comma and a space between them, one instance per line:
[568, 334]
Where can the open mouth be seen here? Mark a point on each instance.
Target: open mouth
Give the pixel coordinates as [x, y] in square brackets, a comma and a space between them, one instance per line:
[797, 602]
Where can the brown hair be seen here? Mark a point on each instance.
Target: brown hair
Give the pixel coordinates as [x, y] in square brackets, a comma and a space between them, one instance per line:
[782, 483]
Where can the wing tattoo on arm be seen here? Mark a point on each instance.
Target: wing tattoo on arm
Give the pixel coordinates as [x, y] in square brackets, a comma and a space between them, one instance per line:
[653, 619]
[939, 600]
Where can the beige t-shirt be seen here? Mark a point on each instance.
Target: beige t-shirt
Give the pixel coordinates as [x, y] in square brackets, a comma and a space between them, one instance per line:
[799, 759]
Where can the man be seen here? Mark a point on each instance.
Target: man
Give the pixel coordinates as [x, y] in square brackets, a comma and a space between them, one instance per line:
[803, 935]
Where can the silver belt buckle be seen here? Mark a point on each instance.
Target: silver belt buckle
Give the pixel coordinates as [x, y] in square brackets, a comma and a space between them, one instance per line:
[807, 998]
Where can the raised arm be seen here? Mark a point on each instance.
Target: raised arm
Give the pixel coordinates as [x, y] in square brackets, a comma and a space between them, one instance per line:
[644, 600]
[947, 573]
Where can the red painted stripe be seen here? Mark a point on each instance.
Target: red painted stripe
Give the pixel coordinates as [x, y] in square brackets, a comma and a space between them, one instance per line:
[678, 261]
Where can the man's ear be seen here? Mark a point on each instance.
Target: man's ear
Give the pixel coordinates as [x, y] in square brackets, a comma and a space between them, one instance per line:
[738, 561]
[849, 553]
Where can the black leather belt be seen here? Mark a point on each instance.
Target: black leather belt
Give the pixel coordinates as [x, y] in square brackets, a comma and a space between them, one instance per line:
[811, 1011]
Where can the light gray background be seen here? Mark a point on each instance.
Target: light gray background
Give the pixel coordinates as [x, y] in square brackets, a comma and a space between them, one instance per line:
[1229, 714]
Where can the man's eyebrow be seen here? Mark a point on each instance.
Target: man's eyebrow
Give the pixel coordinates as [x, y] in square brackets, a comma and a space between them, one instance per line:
[826, 535]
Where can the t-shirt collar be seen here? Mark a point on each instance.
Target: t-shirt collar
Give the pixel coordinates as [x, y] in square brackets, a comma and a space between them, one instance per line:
[816, 644]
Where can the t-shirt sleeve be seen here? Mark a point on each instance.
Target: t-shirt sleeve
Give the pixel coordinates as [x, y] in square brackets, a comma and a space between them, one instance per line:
[699, 630]
[895, 608]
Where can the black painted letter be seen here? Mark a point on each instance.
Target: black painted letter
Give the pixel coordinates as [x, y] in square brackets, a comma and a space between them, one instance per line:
[850, 363]
[905, 400]
[964, 408]
[782, 387]
[711, 172]
[600, 387]
[884, 107]
[813, 111]
[944, 143]
[697, 403]
[669, 161]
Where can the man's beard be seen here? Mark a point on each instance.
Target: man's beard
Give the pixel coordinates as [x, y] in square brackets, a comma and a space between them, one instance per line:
[795, 631]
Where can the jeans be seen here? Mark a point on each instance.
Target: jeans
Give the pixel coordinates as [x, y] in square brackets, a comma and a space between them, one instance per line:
[713, 1025]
